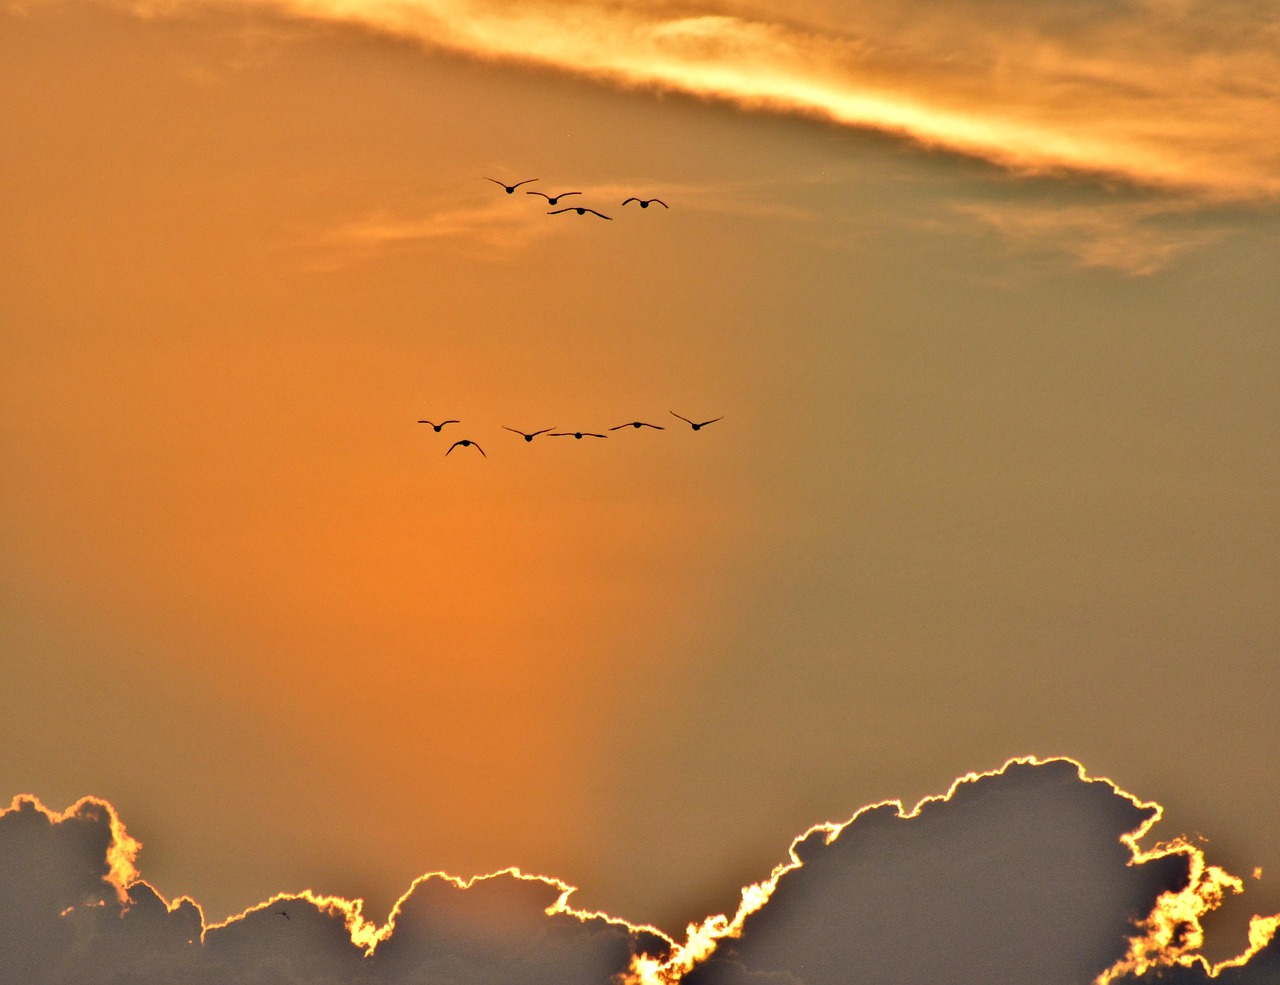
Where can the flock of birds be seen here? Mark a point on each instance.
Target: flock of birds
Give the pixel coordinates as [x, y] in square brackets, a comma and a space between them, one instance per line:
[553, 433]
[644, 203]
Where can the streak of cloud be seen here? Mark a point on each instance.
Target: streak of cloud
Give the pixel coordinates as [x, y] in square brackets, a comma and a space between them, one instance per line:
[1031, 88]
[1130, 238]
[1033, 872]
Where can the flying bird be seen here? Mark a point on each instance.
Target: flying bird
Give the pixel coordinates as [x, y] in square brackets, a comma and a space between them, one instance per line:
[526, 435]
[511, 189]
[437, 426]
[581, 210]
[553, 199]
[638, 424]
[697, 426]
[577, 434]
[466, 443]
[646, 202]
[283, 914]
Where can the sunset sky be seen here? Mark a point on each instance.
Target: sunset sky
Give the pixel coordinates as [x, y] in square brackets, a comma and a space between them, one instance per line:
[985, 292]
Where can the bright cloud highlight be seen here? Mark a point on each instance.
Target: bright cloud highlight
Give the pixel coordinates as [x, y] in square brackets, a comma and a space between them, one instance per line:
[1033, 872]
[1179, 96]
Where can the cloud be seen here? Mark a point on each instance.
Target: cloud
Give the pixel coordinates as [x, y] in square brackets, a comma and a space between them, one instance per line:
[72, 912]
[492, 227]
[488, 228]
[1032, 873]
[1135, 238]
[1169, 94]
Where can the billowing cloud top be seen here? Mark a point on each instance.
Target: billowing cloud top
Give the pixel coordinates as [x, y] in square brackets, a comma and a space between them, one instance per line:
[1031, 873]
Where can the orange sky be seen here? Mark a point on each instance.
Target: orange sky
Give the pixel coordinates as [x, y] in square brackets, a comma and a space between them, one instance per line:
[995, 475]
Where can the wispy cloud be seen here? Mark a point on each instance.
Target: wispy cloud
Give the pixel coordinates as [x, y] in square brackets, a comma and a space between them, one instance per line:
[484, 228]
[1137, 239]
[1172, 95]
[499, 227]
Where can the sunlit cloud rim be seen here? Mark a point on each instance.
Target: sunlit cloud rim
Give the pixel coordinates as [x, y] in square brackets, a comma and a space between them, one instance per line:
[1171, 935]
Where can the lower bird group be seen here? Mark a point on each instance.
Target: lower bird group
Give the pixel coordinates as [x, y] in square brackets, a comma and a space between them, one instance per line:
[551, 432]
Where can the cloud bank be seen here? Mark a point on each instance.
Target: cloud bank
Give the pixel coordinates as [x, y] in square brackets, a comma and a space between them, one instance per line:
[1179, 94]
[1031, 873]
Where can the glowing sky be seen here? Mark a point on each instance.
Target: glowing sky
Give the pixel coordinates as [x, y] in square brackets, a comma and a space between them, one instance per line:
[986, 295]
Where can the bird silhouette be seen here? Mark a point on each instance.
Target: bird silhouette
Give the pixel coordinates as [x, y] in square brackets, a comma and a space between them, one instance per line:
[283, 914]
[553, 199]
[638, 424]
[581, 210]
[527, 435]
[645, 202]
[577, 434]
[511, 189]
[466, 443]
[697, 426]
[437, 426]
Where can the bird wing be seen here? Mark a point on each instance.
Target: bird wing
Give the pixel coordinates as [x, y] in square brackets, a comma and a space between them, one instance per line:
[631, 199]
[600, 214]
[543, 194]
[479, 449]
[452, 447]
[525, 182]
[660, 202]
[712, 421]
[656, 427]
[682, 417]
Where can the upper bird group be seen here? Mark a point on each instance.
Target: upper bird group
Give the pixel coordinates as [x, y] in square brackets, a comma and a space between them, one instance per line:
[644, 203]
[552, 432]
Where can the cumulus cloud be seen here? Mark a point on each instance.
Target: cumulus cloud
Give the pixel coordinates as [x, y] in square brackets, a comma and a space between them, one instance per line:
[1031, 873]
[69, 915]
[1172, 94]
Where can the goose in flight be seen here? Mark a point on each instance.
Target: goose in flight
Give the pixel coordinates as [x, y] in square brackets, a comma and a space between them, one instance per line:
[437, 426]
[553, 199]
[466, 443]
[581, 210]
[577, 434]
[646, 202]
[511, 189]
[696, 425]
[283, 913]
[638, 424]
[527, 435]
